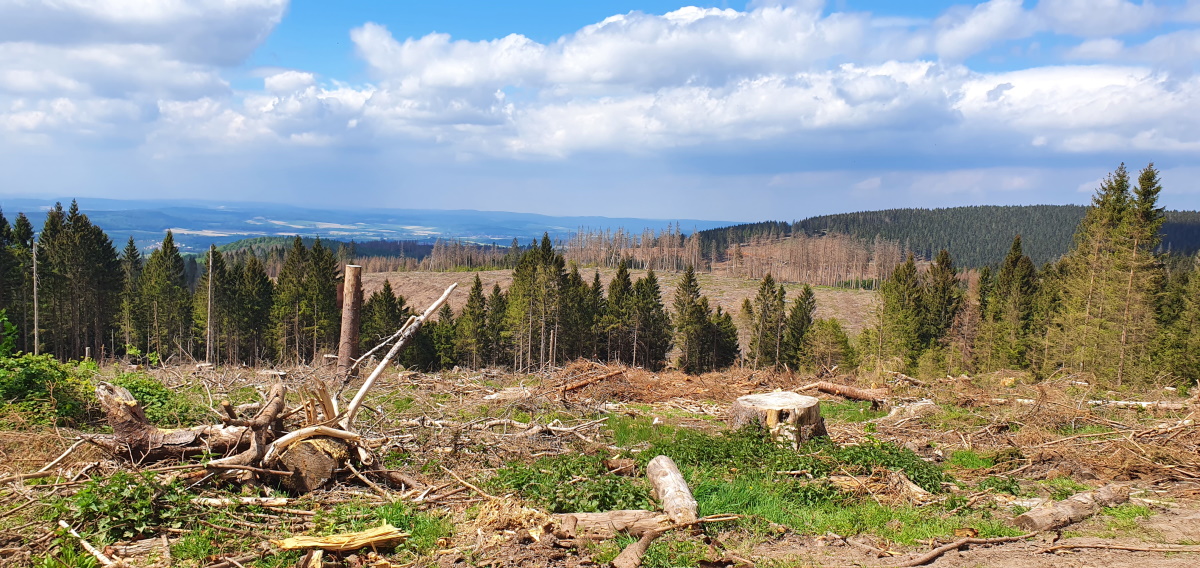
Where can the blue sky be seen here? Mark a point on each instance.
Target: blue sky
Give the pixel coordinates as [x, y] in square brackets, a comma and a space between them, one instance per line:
[717, 110]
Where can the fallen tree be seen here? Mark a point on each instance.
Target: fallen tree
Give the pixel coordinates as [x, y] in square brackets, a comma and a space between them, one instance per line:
[303, 460]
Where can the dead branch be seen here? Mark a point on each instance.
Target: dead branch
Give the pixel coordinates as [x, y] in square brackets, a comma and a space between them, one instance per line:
[1150, 548]
[937, 552]
[408, 332]
[589, 381]
[100, 556]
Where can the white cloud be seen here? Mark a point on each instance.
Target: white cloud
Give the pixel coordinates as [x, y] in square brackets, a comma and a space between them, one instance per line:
[965, 32]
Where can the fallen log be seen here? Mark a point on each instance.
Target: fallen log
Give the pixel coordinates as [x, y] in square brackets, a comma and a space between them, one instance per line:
[872, 395]
[610, 524]
[588, 381]
[1072, 509]
[134, 438]
[789, 417]
[1148, 405]
[669, 487]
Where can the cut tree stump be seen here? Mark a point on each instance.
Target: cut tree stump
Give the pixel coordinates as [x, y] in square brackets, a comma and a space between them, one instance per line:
[1072, 509]
[789, 417]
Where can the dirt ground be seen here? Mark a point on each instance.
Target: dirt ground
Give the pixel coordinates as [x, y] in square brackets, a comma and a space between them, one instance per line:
[460, 418]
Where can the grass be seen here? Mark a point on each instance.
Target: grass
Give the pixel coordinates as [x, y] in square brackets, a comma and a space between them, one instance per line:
[849, 411]
[1123, 518]
[969, 459]
[1062, 487]
[736, 472]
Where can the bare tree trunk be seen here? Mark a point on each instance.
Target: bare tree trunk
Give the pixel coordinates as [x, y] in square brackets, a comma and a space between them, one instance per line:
[351, 308]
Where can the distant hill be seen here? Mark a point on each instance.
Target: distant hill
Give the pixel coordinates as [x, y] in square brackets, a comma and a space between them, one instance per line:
[975, 236]
[196, 224]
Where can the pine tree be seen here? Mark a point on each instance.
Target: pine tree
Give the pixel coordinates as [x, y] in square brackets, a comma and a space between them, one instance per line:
[724, 340]
[1179, 342]
[798, 326]
[320, 297]
[254, 300]
[942, 298]
[1010, 311]
[828, 345]
[289, 313]
[472, 327]
[443, 333]
[618, 315]
[132, 320]
[691, 323]
[651, 326]
[382, 316]
[767, 316]
[499, 341]
[1111, 281]
[899, 333]
[222, 306]
[166, 301]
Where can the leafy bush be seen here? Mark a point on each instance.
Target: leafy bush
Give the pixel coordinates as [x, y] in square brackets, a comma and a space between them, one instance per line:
[8, 336]
[125, 506]
[162, 405]
[573, 483]
[45, 391]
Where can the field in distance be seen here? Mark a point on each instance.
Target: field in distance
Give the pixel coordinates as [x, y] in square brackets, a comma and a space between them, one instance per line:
[419, 288]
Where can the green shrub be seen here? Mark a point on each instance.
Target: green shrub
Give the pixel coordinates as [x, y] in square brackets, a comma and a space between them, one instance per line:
[163, 406]
[44, 390]
[573, 483]
[125, 506]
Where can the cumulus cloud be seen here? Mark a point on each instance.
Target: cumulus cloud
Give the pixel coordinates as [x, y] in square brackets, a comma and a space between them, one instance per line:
[768, 83]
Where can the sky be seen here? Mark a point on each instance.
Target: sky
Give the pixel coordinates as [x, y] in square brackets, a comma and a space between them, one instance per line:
[712, 110]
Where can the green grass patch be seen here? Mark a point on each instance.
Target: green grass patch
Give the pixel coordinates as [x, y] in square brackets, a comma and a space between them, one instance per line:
[1124, 517]
[1062, 487]
[850, 411]
[424, 528]
[1000, 484]
[952, 417]
[969, 459]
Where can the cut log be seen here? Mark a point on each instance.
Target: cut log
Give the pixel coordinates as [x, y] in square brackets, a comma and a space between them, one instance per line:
[669, 487]
[789, 417]
[872, 395]
[1149, 405]
[610, 524]
[1072, 509]
[134, 438]
[312, 462]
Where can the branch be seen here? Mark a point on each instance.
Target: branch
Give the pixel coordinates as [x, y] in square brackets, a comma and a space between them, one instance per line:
[409, 331]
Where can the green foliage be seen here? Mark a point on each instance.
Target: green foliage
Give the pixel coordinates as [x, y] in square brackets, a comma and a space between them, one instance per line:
[1062, 487]
[44, 390]
[1002, 484]
[968, 459]
[850, 411]
[125, 506]
[1124, 517]
[163, 406]
[424, 528]
[8, 336]
[573, 483]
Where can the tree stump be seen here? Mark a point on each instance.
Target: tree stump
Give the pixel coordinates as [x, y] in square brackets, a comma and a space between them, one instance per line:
[789, 417]
[312, 462]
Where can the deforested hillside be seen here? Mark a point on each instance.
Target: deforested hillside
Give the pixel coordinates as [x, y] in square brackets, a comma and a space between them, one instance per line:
[976, 236]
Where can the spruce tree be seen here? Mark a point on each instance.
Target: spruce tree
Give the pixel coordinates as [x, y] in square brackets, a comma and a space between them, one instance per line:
[691, 323]
[902, 317]
[724, 339]
[798, 326]
[444, 338]
[255, 300]
[942, 298]
[618, 315]
[499, 341]
[472, 327]
[382, 316]
[766, 315]
[222, 306]
[1179, 342]
[320, 298]
[289, 313]
[651, 326]
[1111, 282]
[166, 301]
[132, 321]
[1009, 316]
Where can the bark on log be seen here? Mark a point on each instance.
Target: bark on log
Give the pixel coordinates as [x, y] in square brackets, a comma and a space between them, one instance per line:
[351, 307]
[1073, 509]
[312, 462]
[671, 490]
[789, 417]
[872, 395]
[136, 439]
[610, 524]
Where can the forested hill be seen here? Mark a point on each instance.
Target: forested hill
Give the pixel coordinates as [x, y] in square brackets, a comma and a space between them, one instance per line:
[975, 236]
